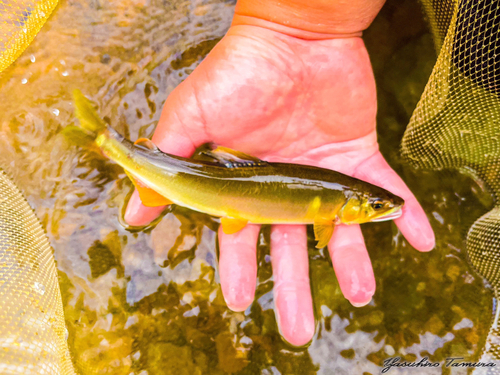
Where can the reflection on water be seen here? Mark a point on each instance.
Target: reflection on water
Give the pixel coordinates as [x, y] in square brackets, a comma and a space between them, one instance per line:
[149, 302]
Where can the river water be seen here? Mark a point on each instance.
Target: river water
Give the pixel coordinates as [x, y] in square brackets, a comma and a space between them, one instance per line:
[149, 301]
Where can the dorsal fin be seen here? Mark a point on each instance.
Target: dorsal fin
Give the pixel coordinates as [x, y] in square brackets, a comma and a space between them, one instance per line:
[231, 158]
[146, 143]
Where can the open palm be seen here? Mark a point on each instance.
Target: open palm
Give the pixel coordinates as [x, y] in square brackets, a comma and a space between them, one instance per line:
[286, 99]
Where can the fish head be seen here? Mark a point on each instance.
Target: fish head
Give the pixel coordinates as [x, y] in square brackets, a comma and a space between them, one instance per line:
[373, 205]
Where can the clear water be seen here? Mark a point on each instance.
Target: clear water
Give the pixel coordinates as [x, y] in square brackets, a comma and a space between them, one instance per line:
[149, 302]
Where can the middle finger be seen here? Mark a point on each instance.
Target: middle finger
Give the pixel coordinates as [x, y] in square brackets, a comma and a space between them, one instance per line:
[292, 292]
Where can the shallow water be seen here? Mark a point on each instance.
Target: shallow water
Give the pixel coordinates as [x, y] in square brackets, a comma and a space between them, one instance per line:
[149, 302]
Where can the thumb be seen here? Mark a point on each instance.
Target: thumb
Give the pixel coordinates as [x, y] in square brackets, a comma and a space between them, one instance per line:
[174, 137]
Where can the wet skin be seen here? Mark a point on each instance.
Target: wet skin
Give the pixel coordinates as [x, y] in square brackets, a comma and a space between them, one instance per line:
[297, 94]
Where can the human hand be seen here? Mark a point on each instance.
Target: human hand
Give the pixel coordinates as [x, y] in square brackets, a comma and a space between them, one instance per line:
[281, 97]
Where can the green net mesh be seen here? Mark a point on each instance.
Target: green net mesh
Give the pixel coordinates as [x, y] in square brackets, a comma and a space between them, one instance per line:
[457, 122]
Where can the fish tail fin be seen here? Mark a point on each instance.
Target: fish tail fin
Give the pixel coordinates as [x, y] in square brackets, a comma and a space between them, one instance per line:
[79, 137]
[90, 123]
[86, 113]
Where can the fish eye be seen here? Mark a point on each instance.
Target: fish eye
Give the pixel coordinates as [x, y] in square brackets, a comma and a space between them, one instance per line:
[377, 204]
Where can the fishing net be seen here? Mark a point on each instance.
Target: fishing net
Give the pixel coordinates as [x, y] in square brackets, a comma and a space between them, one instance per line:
[20, 21]
[457, 121]
[32, 328]
[455, 125]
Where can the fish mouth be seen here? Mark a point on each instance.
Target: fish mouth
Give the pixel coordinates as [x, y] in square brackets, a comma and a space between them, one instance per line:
[393, 215]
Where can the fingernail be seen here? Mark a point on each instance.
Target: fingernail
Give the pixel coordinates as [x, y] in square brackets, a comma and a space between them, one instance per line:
[428, 240]
[131, 213]
[238, 298]
[360, 304]
[414, 225]
[295, 317]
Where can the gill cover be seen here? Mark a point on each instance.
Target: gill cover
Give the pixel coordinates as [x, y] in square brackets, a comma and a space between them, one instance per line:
[351, 211]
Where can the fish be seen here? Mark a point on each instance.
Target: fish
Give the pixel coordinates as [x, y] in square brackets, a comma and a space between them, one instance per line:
[234, 186]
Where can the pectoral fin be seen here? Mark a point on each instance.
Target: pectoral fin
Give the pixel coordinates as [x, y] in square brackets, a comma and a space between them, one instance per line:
[323, 231]
[149, 197]
[231, 225]
[231, 158]
[314, 207]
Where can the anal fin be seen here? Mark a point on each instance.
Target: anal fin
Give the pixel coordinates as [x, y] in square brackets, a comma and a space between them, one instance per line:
[231, 225]
[149, 197]
[323, 231]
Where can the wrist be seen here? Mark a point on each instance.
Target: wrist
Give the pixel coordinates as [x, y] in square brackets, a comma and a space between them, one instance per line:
[308, 19]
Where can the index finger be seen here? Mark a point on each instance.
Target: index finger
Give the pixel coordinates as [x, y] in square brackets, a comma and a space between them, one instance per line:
[413, 224]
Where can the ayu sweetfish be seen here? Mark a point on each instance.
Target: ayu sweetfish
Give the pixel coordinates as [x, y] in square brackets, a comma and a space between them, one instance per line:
[236, 187]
